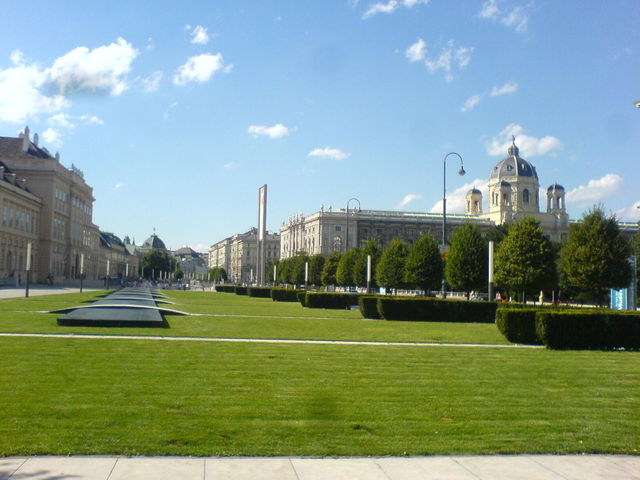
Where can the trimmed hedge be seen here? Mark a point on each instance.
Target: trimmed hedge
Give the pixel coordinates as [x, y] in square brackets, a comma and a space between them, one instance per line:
[518, 325]
[241, 290]
[261, 292]
[302, 297]
[436, 310]
[284, 295]
[331, 300]
[369, 307]
[226, 288]
[589, 330]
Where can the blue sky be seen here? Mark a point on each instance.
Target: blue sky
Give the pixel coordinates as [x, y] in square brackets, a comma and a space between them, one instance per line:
[178, 112]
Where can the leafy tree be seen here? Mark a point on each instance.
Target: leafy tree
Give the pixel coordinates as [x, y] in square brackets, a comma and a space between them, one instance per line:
[525, 260]
[390, 271]
[360, 267]
[218, 274]
[284, 267]
[328, 276]
[594, 259]
[155, 261]
[466, 267]
[316, 263]
[178, 274]
[344, 272]
[296, 272]
[497, 233]
[423, 267]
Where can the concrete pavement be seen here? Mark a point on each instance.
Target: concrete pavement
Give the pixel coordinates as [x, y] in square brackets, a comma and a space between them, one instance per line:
[493, 467]
[36, 290]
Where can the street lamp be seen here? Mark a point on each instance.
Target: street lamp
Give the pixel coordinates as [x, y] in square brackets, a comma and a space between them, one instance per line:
[444, 203]
[346, 235]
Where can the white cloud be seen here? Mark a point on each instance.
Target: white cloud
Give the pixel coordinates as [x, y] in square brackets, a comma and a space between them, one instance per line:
[328, 152]
[412, 3]
[596, 190]
[516, 18]
[91, 120]
[509, 87]
[52, 136]
[529, 146]
[457, 199]
[61, 120]
[101, 69]
[199, 35]
[230, 166]
[410, 197]
[631, 213]
[380, 7]
[277, 131]
[471, 102]
[200, 69]
[449, 58]
[167, 114]
[118, 186]
[152, 82]
[417, 51]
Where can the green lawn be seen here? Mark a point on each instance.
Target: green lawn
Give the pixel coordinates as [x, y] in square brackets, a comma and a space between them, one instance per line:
[141, 397]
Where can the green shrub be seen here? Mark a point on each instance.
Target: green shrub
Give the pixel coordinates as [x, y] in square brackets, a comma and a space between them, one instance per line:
[331, 300]
[284, 295]
[241, 290]
[226, 288]
[261, 292]
[301, 295]
[436, 310]
[518, 325]
[588, 330]
[369, 306]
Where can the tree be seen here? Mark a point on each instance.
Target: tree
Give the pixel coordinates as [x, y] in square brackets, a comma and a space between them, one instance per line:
[525, 260]
[423, 267]
[360, 267]
[218, 274]
[178, 274]
[316, 263]
[296, 274]
[328, 276]
[344, 272]
[595, 257]
[155, 261]
[466, 267]
[390, 271]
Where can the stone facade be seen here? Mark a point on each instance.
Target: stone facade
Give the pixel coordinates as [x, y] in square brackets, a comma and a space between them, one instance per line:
[238, 255]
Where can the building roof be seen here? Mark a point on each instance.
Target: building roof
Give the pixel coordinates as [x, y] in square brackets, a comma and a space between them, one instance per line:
[186, 251]
[154, 243]
[513, 165]
[555, 186]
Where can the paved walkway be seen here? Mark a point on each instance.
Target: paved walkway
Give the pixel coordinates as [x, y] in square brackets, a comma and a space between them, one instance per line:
[498, 467]
[36, 290]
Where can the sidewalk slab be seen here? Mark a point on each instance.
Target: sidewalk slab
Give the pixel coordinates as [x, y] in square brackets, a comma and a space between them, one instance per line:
[73, 468]
[602, 467]
[10, 465]
[508, 468]
[158, 468]
[424, 468]
[338, 469]
[276, 468]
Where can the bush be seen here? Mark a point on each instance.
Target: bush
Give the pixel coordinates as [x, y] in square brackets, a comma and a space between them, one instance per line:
[518, 325]
[369, 306]
[590, 330]
[331, 300]
[241, 290]
[261, 292]
[284, 295]
[301, 295]
[436, 310]
[226, 288]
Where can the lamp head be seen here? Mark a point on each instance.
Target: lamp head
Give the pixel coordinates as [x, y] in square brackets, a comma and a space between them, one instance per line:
[461, 172]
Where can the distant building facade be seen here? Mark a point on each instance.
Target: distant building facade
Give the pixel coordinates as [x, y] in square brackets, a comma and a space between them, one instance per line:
[238, 254]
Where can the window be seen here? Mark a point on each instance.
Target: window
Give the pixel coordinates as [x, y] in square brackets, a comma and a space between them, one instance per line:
[338, 228]
[525, 196]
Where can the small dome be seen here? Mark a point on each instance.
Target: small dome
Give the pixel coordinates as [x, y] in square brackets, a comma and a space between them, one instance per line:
[154, 243]
[474, 191]
[513, 165]
[555, 186]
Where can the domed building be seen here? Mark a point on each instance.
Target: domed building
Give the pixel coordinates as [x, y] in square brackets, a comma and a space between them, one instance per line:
[514, 194]
[153, 243]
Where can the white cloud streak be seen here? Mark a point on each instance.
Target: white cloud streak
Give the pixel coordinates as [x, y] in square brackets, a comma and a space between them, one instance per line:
[200, 69]
[390, 7]
[471, 102]
[596, 190]
[328, 152]
[277, 131]
[410, 197]
[151, 83]
[457, 199]
[516, 18]
[417, 51]
[450, 58]
[509, 87]
[199, 35]
[631, 213]
[529, 146]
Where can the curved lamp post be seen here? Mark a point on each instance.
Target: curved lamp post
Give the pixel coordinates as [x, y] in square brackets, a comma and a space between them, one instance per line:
[346, 235]
[444, 203]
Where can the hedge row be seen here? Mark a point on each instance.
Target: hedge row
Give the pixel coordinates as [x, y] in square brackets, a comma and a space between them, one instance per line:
[241, 290]
[331, 300]
[226, 288]
[302, 297]
[284, 295]
[518, 325]
[369, 307]
[436, 310]
[262, 292]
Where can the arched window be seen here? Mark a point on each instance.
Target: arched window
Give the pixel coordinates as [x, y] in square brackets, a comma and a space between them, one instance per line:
[525, 196]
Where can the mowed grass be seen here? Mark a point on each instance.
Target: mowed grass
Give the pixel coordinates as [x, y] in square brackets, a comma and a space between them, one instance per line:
[136, 397]
[237, 316]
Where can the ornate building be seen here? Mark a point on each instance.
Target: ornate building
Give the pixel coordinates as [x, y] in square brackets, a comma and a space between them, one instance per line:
[513, 194]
